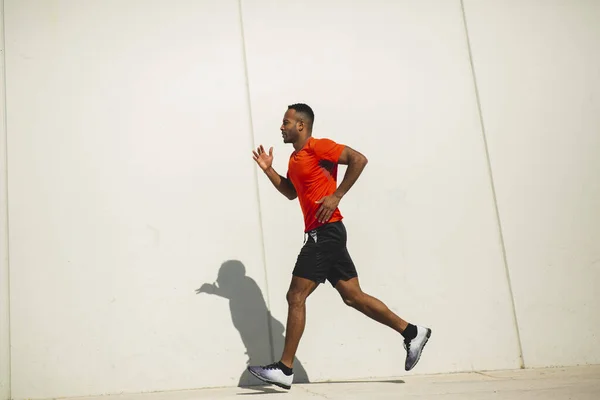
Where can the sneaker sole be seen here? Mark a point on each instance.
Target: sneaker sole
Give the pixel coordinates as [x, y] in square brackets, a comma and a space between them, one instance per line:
[281, 385]
[421, 350]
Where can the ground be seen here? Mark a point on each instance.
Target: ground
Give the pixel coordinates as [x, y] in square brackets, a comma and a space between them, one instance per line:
[577, 383]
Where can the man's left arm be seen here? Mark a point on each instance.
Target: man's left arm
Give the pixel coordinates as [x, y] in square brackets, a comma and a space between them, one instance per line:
[356, 162]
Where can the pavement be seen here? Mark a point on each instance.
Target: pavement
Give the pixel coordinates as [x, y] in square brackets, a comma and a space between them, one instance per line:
[575, 383]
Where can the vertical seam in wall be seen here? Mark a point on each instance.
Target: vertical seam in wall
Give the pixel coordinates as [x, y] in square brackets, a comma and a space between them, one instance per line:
[5, 209]
[260, 219]
[491, 177]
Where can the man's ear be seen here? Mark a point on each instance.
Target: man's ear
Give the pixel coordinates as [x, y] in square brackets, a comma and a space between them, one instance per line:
[300, 125]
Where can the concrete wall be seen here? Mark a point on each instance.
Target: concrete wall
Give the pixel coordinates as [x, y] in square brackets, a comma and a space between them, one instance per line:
[130, 183]
[539, 83]
[4, 272]
[131, 187]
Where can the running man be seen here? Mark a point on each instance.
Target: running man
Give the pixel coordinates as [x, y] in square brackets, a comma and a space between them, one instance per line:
[312, 178]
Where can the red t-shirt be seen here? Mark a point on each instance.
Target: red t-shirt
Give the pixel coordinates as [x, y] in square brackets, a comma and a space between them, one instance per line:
[313, 172]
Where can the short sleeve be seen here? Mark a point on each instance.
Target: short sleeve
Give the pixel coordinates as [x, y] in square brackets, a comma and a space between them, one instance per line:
[327, 149]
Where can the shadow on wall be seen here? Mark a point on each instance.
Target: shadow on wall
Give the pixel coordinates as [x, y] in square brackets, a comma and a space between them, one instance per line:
[252, 319]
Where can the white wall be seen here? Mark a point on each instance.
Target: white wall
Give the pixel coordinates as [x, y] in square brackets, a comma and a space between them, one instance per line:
[131, 184]
[4, 273]
[540, 93]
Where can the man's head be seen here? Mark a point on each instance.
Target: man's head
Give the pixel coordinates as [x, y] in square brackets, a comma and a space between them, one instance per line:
[297, 123]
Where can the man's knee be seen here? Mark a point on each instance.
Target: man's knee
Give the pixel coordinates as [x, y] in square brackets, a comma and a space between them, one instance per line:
[353, 298]
[299, 290]
[295, 298]
[351, 292]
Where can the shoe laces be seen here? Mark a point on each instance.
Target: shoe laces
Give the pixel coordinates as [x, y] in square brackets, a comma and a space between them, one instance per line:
[271, 366]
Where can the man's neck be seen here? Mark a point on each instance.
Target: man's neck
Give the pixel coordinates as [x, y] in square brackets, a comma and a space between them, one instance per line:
[300, 143]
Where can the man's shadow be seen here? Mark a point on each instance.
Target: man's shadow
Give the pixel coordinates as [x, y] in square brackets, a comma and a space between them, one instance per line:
[261, 333]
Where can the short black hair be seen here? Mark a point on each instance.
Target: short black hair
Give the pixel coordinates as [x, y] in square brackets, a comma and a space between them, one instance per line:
[306, 110]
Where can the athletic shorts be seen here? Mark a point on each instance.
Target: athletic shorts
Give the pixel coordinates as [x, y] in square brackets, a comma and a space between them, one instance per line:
[325, 256]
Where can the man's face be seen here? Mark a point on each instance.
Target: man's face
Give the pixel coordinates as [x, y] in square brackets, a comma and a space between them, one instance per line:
[289, 127]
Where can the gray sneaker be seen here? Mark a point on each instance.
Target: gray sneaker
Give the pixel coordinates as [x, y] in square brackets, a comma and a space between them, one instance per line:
[415, 346]
[272, 374]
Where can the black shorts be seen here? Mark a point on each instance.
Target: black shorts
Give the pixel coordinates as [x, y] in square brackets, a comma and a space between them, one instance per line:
[325, 256]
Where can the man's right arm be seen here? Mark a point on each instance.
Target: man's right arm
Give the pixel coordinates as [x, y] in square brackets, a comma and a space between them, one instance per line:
[284, 185]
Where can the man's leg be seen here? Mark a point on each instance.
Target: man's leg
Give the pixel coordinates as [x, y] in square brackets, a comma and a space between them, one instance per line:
[415, 337]
[299, 290]
[310, 270]
[372, 307]
[280, 373]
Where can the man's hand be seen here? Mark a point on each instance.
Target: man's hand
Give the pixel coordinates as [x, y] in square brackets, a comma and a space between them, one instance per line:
[263, 159]
[265, 162]
[328, 206]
